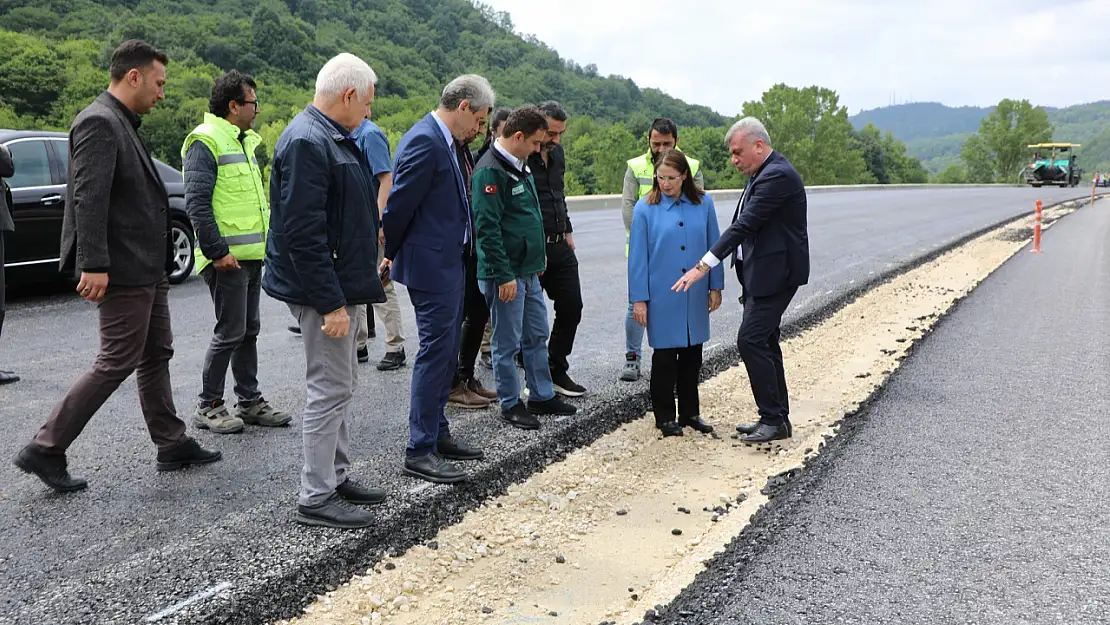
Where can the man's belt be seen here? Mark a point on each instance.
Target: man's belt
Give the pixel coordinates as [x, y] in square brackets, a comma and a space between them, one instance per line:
[556, 238]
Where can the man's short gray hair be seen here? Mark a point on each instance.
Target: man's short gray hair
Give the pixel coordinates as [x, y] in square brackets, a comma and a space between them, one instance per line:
[470, 87]
[342, 72]
[748, 127]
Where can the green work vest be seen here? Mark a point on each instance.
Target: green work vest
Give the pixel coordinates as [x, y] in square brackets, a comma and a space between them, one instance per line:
[644, 170]
[239, 201]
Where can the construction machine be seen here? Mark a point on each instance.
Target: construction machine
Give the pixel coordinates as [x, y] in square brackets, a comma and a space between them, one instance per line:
[1052, 164]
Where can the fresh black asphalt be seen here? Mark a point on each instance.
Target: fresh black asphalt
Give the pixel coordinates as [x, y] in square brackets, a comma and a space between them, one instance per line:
[975, 488]
[221, 538]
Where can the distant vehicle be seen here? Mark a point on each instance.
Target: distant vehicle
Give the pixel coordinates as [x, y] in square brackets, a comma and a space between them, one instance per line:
[1103, 179]
[1053, 164]
[38, 197]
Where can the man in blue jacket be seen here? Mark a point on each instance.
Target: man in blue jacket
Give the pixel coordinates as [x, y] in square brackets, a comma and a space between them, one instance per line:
[428, 235]
[320, 259]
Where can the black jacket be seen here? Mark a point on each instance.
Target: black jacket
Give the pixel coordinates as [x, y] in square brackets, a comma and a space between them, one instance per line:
[771, 230]
[551, 188]
[117, 215]
[323, 246]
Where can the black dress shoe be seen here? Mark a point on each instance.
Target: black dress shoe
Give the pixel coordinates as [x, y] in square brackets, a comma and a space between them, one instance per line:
[748, 428]
[697, 424]
[187, 453]
[50, 468]
[765, 433]
[356, 493]
[452, 449]
[670, 428]
[433, 468]
[7, 377]
[336, 512]
[519, 417]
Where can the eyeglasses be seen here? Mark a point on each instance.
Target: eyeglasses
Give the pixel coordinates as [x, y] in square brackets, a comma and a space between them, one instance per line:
[667, 178]
[246, 102]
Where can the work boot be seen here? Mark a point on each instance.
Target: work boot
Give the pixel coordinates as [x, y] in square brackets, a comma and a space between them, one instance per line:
[260, 412]
[214, 416]
[335, 512]
[631, 371]
[50, 468]
[463, 397]
[187, 453]
[474, 386]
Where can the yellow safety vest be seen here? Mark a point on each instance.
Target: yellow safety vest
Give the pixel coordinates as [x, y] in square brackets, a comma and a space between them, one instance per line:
[238, 200]
[644, 170]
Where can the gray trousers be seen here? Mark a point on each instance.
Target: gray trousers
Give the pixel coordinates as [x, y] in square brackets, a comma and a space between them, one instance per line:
[331, 375]
[235, 295]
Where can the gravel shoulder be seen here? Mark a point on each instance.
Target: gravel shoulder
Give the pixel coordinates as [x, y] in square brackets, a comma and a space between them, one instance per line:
[974, 488]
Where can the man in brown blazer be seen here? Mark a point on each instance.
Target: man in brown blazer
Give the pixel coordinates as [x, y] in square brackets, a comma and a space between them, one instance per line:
[115, 238]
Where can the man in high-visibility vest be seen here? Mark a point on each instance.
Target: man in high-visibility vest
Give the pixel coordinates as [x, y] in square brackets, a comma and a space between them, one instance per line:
[230, 212]
[637, 183]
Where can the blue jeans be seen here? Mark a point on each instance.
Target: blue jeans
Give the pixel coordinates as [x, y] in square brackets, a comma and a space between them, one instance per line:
[521, 322]
[633, 334]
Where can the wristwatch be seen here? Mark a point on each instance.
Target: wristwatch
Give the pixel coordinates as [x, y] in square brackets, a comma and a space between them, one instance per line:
[702, 267]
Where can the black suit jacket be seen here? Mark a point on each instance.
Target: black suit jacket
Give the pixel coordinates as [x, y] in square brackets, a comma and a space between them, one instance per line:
[117, 215]
[771, 230]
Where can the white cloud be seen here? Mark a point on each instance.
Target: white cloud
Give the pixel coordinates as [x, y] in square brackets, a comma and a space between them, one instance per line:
[724, 52]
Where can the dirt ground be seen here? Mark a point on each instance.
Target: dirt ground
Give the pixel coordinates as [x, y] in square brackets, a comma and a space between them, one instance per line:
[625, 524]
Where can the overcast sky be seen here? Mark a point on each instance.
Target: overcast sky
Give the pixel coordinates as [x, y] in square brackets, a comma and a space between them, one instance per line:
[722, 53]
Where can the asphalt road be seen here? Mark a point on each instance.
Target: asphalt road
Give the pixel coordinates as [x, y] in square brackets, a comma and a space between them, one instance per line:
[137, 542]
[976, 489]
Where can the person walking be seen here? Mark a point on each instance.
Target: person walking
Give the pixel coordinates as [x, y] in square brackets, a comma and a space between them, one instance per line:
[769, 244]
[639, 179]
[116, 240]
[510, 259]
[7, 170]
[375, 145]
[560, 280]
[427, 236]
[227, 205]
[672, 227]
[320, 261]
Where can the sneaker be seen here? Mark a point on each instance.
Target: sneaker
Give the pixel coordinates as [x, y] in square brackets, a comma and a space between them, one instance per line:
[356, 493]
[335, 512]
[463, 397]
[553, 406]
[519, 417]
[364, 354]
[215, 417]
[187, 453]
[474, 386]
[631, 371]
[486, 359]
[392, 360]
[566, 386]
[262, 413]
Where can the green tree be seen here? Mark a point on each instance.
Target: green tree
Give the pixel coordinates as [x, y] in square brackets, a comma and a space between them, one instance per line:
[978, 160]
[953, 174]
[1002, 139]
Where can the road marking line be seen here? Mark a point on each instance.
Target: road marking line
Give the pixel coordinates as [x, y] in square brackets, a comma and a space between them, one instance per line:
[828, 292]
[177, 607]
[420, 488]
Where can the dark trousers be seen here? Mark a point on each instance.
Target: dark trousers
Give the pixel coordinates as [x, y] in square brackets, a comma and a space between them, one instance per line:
[476, 312]
[438, 316]
[758, 345]
[135, 336]
[560, 281]
[235, 295]
[2, 284]
[674, 371]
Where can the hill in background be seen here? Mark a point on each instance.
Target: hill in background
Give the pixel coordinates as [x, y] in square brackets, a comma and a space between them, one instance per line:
[934, 132]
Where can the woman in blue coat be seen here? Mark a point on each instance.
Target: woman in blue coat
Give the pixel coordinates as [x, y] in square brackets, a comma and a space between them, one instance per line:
[672, 228]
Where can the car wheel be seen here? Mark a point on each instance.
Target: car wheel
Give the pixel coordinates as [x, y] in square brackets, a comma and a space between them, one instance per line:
[183, 261]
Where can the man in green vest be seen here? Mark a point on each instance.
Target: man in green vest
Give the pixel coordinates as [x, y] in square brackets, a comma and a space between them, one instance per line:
[637, 183]
[230, 212]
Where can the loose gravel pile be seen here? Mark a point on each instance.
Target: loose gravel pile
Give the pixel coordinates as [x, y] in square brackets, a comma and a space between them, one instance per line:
[619, 528]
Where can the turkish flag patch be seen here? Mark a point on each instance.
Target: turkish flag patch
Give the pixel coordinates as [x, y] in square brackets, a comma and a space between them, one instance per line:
[491, 189]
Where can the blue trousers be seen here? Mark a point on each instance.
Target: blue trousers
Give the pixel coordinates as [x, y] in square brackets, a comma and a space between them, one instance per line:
[633, 334]
[438, 322]
[521, 322]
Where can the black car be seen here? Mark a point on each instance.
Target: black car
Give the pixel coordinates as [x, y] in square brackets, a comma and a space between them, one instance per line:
[38, 202]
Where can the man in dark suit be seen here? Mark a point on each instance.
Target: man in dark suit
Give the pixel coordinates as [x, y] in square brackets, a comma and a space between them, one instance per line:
[7, 170]
[428, 234]
[769, 243]
[116, 239]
